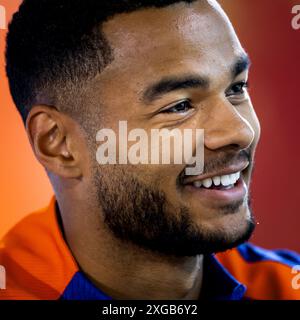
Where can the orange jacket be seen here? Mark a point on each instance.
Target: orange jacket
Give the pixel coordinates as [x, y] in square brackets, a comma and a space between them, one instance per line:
[39, 265]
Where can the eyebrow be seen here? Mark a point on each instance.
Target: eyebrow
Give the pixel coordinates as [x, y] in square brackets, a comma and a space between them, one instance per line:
[242, 64]
[170, 84]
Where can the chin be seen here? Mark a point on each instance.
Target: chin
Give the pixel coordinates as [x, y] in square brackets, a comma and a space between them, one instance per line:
[229, 229]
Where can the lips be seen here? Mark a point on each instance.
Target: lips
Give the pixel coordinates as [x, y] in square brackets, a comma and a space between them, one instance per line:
[225, 177]
[218, 181]
[224, 186]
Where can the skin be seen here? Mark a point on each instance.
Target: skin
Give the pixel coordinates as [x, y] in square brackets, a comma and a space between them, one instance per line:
[193, 39]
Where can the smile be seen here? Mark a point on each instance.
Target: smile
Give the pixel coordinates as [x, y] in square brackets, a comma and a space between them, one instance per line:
[225, 186]
[219, 182]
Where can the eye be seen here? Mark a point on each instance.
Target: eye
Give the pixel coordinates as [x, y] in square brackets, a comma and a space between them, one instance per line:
[237, 89]
[181, 107]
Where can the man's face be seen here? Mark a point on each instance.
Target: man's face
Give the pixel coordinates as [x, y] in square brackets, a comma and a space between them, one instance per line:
[157, 206]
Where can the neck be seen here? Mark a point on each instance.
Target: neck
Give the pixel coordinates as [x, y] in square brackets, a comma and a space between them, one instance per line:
[125, 271]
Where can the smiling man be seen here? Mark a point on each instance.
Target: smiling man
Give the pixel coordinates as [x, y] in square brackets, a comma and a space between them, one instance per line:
[136, 231]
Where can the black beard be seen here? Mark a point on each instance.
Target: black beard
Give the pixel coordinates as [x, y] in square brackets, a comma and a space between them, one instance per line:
[138, 214]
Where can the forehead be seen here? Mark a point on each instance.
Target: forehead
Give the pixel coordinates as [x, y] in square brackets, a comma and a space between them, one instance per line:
[180, 38]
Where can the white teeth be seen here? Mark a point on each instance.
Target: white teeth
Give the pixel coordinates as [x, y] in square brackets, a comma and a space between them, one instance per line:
[207, 182]
[235, 178]
[197, 184]
[217, 180]
[226, 180]
[232, 178]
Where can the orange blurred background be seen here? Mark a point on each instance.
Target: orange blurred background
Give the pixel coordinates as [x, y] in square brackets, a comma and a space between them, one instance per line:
[264, 27]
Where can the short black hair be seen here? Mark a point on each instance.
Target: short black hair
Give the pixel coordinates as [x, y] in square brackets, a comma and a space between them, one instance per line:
[52, 43]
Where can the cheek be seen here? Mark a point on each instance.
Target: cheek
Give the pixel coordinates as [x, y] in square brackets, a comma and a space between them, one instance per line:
[248, 113]
[160, 176]
[253, 120]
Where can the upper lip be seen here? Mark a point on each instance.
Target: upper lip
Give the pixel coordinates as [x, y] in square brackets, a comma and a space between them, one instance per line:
[241, 166]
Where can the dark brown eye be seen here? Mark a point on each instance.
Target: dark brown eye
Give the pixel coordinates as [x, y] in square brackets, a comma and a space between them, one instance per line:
[181, 107]
[237, 88]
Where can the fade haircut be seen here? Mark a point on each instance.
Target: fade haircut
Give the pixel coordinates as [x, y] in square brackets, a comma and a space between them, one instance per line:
[54, 46]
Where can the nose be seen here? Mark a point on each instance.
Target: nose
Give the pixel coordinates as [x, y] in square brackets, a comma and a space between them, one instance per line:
[225, 126]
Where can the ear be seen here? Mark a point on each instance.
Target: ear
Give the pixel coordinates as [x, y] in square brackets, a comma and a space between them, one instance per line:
[54, 138]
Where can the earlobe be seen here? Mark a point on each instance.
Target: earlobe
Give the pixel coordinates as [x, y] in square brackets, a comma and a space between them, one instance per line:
[49, 136]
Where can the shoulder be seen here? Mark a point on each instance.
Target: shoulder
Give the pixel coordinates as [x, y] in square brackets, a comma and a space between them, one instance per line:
[268, 274]
[35, 258]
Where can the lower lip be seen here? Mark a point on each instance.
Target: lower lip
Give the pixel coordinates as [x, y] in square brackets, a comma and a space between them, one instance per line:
[236, 193]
